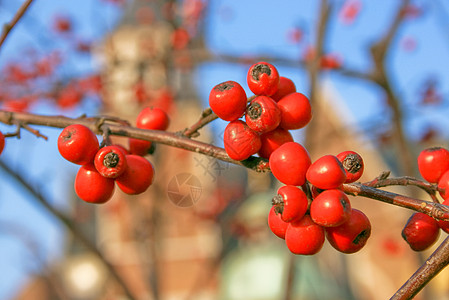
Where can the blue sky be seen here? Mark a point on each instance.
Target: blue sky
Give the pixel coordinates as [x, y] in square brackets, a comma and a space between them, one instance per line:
[240, 28]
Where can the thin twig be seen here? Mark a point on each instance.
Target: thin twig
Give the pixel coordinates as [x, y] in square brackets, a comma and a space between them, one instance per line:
[9, 26]
[207, 116]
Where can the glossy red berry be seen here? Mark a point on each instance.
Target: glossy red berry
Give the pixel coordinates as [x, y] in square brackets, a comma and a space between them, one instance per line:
[110, 161]
[326, 172]
[353, 165]
[78, 144]
[152, 118]
[273, 140]
[277, 226]
[228, 100]
[304, 236]
[291, 203]
[2, 142]
[138, 176]
[421, 231]
[433, 163]
[139, 147]
[91, 186]
[289, 163]
[296, 111]
[263, 114]
[443, 185]
[240, 141]
[352, 235]
[263, 79]
[330, 208]
[444, 224]
[285, 87]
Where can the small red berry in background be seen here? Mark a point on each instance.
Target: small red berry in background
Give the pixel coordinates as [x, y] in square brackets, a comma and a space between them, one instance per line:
[263, 114]
[139, 147]
[432, 163]
[352, 235]
[443, 185]
[289, 163]
[273, 140]
[228, 100]
[304, 236]
[286, 86]
[296, 111]
[353, 165]
[277, 226]
[263, 79]
[327, 172]
[152, 118]
[78, 144]
[91, 186]
[421, 231]
[240, 141]
[291, 203]
[110, 161]
[2, 142]
[444, 224]
[331, 208]
[138, 175]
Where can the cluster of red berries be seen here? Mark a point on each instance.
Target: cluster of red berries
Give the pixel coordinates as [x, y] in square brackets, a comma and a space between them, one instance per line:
[275, 109]
[102, 167]
[304, 222]
[422, 231]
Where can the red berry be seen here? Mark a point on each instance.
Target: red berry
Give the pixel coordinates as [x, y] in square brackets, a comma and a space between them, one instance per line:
[277, 226]
[326, 172]
[152, 118]
[421, 231]
[228, 100]
[443, 185]
[289, 163]
[304, 236]
[2, 142]
[139, 147]
[110, 161]
[137, 177]
[352, 235]
[240, 141]
[432, 163]
[353, 165]
[285, 87]
[291, 203]
[444, 224]
[273, 140]
[296, 111]
[91, 186]
[263, 79]
[78, 144]
[331, 208]
[263, 114]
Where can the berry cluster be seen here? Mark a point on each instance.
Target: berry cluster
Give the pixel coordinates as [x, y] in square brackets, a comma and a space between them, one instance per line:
[422, 231]
[304, 222]
[275, 108]
[102, 167]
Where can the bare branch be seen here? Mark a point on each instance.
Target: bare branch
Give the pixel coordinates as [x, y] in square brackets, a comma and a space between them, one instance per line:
[9, 26]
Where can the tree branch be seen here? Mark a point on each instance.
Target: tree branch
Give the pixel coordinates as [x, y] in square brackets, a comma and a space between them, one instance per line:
[9, 26]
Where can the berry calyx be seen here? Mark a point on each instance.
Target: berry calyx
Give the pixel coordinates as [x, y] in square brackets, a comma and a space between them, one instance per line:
[78, 144]
[240, 141]
[304, 236]
[263, 114]
[263, 79]
[421, 231]
[91, 186]
[289, 163]
[290, 202]
[326, 172]
[110, 161]
[353, 165]
[228, 100]
[331, 208]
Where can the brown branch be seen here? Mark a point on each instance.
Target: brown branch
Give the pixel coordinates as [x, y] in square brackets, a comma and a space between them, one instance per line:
[206, 117]
[9, 26]
[68, 223]
[436, 262]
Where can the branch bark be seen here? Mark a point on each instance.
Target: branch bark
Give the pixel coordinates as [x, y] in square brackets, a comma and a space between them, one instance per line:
[9, 26]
